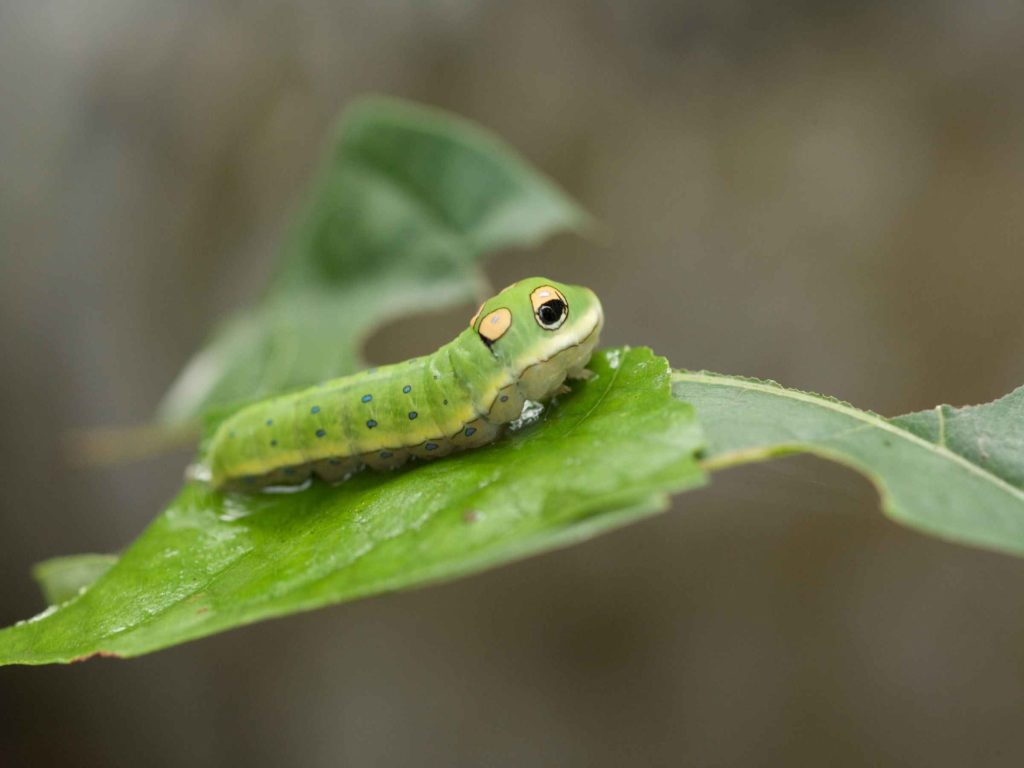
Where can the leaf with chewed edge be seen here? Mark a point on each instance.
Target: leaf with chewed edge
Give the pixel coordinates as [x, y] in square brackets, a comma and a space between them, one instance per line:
[954, 473]
[408, 202]
[604, 455]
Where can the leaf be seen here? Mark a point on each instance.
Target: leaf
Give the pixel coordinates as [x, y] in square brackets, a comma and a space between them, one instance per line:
[61, 578]
[409, 200]
[602, 456]
[990, 436]
[954, 473]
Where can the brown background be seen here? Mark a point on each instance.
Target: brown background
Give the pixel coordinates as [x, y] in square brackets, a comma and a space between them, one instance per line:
[826, 194]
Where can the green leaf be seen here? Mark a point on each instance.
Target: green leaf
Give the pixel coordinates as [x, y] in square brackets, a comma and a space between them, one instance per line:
[409, 200]
[954, 473]
[602, 456]
[62, 578]
[990, 436]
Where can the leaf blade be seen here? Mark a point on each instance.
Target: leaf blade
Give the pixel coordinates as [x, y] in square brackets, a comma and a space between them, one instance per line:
[408, 201]
[923, 485]
[605, 455]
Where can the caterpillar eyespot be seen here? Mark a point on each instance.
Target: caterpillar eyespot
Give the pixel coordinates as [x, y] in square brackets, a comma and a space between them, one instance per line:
[534, 333]
[494, 325]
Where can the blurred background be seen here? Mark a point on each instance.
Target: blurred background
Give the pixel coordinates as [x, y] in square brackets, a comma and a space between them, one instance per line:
[826, 194]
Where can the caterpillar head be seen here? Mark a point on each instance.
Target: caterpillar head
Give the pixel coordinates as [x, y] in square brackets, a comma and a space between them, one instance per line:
[538, 322]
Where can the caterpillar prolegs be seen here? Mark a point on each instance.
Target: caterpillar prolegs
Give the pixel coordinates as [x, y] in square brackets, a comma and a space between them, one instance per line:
[521, 345]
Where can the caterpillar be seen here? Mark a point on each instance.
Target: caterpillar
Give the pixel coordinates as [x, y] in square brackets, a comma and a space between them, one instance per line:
[522, 344]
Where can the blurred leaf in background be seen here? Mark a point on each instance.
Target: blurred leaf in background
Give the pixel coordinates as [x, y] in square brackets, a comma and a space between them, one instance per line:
[408, 201]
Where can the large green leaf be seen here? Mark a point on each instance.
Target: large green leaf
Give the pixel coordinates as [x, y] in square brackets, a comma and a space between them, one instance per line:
[408, 201]
[954, 473]
[606, 454]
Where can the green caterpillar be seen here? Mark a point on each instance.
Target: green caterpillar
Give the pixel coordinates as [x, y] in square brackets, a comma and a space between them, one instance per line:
[521, 345]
